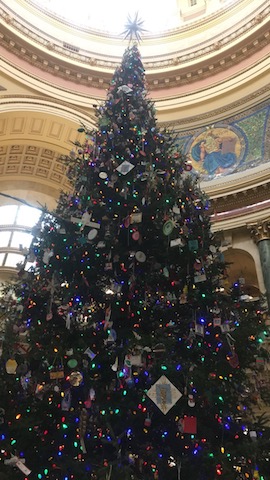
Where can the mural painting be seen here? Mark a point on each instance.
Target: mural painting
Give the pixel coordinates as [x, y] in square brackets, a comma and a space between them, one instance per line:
[217, 150]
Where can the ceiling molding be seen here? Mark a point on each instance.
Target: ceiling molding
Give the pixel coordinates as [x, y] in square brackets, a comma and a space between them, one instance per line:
[220, 52]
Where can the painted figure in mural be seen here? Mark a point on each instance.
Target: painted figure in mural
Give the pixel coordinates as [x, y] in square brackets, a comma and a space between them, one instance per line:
[216, 153]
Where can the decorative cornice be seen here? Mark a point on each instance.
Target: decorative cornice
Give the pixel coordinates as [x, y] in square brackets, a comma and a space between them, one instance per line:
[175, 69]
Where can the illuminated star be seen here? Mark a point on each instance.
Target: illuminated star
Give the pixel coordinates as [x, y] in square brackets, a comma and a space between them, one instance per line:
[133, 28]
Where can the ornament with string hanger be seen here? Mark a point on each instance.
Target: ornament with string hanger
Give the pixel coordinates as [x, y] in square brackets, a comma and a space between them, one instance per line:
[233, 358]
[56, 370]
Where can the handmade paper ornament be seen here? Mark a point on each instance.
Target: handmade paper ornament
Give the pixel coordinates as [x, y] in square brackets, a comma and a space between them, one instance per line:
[11, 366]
[75, 379]
[18, 462]
[92, 234]
[176, 210]
[253, 435]
[188, 425]
[164, 394]
[217, 322]
[191, 401]
[199, 277]
[193, 245]
[112, 337]
[199, 329]
[90, 353]
[86, 217]
[125, 89]
[168, 227]
[125, 167]
[177, 242]
[56, 372]
[136, 217]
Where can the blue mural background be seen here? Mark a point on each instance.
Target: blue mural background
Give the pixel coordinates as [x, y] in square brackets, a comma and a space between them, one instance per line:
[231, 146]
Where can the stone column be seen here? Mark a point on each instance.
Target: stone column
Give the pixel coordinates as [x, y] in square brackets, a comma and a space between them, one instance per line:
[260, 233]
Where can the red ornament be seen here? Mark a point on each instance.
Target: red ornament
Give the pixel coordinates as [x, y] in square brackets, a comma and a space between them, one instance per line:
[188, 425]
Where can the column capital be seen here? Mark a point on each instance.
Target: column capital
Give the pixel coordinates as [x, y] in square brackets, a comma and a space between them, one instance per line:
[260, 230]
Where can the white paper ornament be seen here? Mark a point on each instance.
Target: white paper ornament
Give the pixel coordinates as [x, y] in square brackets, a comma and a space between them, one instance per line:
[125, 167]
[164, 394]
[92, 234]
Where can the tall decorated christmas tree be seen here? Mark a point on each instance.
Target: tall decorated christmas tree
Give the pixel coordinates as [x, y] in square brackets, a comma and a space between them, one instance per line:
[123, 357]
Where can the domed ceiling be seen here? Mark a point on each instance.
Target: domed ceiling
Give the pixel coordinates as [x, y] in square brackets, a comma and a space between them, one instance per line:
[205, 61]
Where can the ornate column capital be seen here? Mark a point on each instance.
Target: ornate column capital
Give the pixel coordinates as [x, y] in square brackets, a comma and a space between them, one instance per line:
[260, 231]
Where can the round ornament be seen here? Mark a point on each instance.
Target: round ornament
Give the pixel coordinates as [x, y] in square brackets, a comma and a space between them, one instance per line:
[140, 256]
[92, 234]
[168, 227]
[72, 363]
[136, 235]
[75, 379]
[103, 175]
[191, 401]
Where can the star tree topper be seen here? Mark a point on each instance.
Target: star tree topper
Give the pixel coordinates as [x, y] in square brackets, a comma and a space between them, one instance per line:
[133, 28]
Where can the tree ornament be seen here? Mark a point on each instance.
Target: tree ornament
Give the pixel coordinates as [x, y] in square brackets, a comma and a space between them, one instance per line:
[18, 462]
[164, 394]
[11, 366]
[66, 400]
[191, 401]
[168, 227]
[75, 379]
[188, 424]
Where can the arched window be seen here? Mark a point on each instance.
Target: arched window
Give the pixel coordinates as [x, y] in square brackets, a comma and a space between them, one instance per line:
[16, 222]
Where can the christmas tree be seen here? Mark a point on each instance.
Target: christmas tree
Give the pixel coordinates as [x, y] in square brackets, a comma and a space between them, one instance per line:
[124, 357]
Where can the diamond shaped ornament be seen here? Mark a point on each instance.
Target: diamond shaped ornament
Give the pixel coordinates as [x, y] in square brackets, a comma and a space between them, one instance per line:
[164, 394]
[125, 167]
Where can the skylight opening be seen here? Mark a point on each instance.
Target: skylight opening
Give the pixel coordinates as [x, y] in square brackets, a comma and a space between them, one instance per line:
[107, 16]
